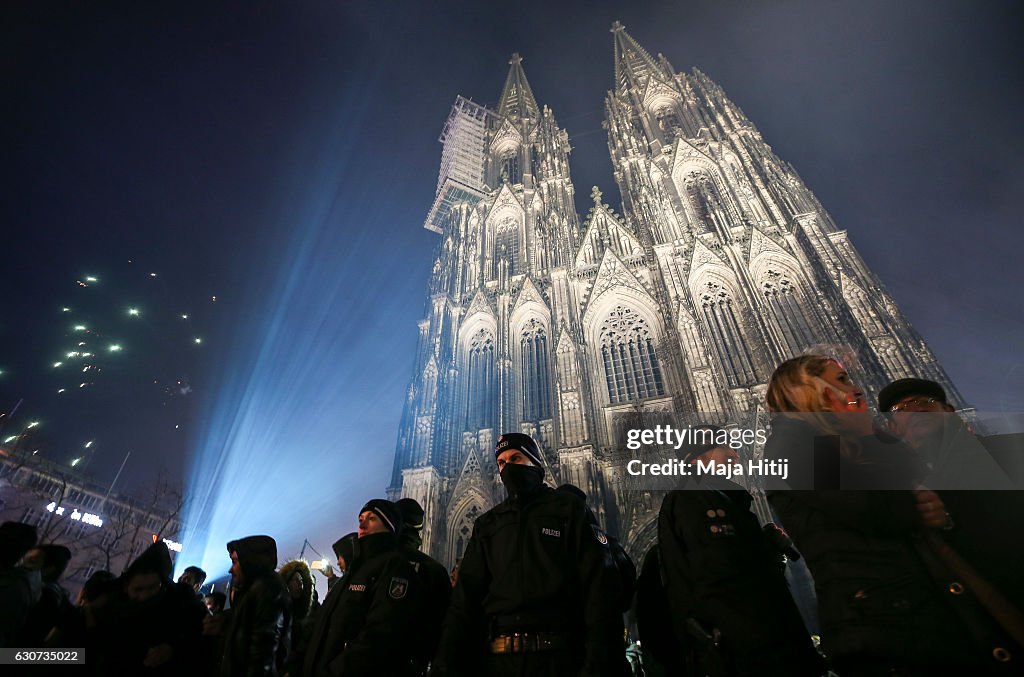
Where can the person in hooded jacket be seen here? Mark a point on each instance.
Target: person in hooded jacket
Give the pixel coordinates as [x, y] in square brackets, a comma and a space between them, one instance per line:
[534, 593]
[298, 579]
[369, 617]
[345, 551]
[146, 627]
[258, 625]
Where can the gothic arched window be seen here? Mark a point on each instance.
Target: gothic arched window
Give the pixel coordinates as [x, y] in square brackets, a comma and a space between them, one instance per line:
[703, 197]
[463, 530]
[480, 377]
[510, 169]
[784, 301]
[429, 386]
[726, 336]
[506, 245]
[631, 366]
[566, 357]
[533, 347]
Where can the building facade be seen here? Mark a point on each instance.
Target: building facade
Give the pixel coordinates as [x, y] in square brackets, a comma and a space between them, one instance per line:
[721, 265]
[104, 530]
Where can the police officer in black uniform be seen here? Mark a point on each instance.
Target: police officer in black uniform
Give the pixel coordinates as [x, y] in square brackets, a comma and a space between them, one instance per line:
[370, 614]
[534, 595]
[432, 578]
[732, 612]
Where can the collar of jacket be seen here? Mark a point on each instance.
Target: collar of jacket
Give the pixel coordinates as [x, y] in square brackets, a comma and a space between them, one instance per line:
[522, 500]
[374, 544]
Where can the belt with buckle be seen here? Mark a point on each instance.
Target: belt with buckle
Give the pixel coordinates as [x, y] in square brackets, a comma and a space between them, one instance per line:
[522, 642]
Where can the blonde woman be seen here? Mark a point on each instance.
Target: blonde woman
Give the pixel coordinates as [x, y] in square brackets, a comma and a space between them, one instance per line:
[822, 426]
[883, 606]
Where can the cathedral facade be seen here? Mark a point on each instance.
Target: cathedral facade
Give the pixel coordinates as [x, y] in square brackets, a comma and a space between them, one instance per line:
[721, 265]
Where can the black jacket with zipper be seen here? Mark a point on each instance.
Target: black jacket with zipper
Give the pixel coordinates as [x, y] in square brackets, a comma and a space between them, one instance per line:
[534, 564]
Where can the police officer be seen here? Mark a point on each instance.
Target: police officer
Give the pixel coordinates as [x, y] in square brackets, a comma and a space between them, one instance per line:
[432, 578]
[732, 613]
[368, 617]
[533, 595]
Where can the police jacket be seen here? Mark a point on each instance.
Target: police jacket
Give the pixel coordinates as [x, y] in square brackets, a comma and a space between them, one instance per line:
[432, 579]
[258, 630]
[534, 564]
[722, 578]
[365, 623]
[879, 595]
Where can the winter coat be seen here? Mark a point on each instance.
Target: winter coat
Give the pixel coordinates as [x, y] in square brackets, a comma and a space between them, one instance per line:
[257, 632]
[535, 564]
[879, 599]
[722, 578]
[304, 613]
[433, 580]
[366, 624]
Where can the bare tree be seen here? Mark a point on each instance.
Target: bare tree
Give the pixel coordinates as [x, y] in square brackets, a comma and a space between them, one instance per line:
[128, 521]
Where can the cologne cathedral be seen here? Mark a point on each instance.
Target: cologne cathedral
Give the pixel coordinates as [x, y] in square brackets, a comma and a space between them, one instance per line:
[720, 265]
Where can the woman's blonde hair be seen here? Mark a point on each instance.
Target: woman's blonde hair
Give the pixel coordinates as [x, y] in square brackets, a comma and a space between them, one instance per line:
[792, 386]
[796, 387]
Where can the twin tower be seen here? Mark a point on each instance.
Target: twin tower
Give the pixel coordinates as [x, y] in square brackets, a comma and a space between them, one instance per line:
[721, 265]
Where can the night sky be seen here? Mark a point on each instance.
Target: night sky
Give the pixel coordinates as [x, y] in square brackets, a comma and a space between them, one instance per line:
[281, 157]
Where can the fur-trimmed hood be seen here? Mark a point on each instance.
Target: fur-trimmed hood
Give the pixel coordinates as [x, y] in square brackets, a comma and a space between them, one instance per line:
[305, 605]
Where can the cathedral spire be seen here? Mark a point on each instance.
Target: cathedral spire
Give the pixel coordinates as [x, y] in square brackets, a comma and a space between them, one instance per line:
[517, 97]
[633, 64]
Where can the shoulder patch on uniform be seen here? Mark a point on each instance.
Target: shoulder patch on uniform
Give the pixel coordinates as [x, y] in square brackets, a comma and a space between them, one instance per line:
[398, 588]
[601, 537]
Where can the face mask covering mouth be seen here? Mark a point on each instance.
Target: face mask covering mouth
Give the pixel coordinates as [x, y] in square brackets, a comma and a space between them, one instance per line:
[521, 479]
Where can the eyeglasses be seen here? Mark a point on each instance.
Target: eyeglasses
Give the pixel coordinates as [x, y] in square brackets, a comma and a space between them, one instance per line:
[916, 402]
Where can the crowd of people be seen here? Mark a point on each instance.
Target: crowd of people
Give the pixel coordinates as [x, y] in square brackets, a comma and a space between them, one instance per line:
[909, 580]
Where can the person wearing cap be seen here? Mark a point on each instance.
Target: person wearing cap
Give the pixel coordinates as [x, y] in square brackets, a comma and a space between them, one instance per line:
[984, 523]
[257, 632]
[731, 609]
[886, 603]
[432, 578]
[367, 622]
[534, 595]
[918, 413]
